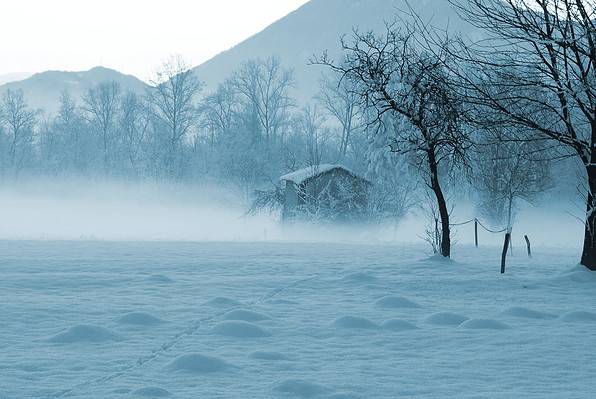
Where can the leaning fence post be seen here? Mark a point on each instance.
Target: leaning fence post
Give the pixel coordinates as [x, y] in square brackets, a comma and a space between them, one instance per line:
[529, 247]
[504, 254]
[476, 232]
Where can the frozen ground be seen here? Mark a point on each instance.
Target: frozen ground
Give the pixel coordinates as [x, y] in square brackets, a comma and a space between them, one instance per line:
[280, 320]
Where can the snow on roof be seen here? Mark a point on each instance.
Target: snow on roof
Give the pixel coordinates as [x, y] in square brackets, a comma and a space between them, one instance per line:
[302, 175]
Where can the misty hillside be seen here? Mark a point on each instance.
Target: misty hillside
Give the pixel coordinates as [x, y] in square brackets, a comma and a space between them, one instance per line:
[13, 77]
[43, 90]
[318, 26]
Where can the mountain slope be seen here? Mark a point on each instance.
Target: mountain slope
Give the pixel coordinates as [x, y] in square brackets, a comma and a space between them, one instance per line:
[318, 26]
[13, 77]
[43, 90]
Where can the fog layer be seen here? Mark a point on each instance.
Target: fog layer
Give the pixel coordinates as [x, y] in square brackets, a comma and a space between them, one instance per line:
[103, 210]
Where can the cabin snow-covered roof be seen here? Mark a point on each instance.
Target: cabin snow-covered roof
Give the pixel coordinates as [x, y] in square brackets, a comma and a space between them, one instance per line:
[302, 175]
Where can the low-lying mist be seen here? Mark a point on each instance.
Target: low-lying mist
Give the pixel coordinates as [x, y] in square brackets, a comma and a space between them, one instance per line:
[116, 210]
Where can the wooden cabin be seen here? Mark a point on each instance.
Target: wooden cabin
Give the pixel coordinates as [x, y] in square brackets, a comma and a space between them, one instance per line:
[329, 192]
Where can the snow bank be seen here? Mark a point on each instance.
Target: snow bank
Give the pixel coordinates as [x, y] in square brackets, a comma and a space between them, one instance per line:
[301, 388]
[371, 351]
[198, 364]
[360, 277]
[484, 324]
[245, 315]
[240, 329]
[139, 319]
[152, 392]
[222, 301]
[446, 319]
[395, 302]
[579, 316]
[518, 311]
[159, 279]
[345, 395]
[85, 333]
[398, 325]
[354, 322]
[265, 355]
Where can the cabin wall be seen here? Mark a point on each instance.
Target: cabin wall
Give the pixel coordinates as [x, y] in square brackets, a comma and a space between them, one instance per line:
[290, 200]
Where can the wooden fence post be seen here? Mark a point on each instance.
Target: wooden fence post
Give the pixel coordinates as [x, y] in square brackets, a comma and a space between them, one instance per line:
[529, 247]
[504, 254]
[476, 232]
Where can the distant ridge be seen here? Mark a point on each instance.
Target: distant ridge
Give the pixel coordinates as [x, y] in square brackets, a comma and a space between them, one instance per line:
[13, 77]
[42, 90]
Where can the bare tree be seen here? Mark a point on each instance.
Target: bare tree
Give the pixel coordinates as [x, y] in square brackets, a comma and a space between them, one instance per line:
[342, 103]
[394, 183]
[134, 123]
[59, 139]
[172, 97]
[507, 172]
[393, 77]
[536, 72]
[309, 124]
[264, 85]
[20, 122]
[220, 111]
[101, 105]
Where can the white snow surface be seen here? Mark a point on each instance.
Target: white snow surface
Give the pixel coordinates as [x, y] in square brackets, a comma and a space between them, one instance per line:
[93, 319]
[301, 175]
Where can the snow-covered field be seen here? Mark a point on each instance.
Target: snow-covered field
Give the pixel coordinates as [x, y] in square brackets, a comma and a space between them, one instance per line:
[281, 320]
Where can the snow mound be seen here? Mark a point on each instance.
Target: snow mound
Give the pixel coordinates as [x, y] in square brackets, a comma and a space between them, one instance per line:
[446, 319]
[580, 274]
[139, 319]
[244, 315]
[354, 322]
[152, 392]
[438, 258]
[300, 388]
[518, 311]
[360, 277]
[344, 395]
[398, 325]
[579, 316]
[221, 301]
[85, 333]
[394, 302]
[240, 329]
[263, 355]
[159, 279]
[198, 364]
[119, 391]
[281, 302]
[484, 324]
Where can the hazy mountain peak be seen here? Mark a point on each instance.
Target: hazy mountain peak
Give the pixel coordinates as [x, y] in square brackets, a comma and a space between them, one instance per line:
[42, 90]
[14, 77]
[318, 26]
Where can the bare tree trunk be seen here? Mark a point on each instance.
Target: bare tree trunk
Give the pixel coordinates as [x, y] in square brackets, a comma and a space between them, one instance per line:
[441, 203]
[589, 251]
[510, 222]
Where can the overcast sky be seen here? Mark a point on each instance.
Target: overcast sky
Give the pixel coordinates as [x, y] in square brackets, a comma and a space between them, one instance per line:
[132, 36]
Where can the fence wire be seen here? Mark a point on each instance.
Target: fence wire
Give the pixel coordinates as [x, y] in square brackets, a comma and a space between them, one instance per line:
[480, 224]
